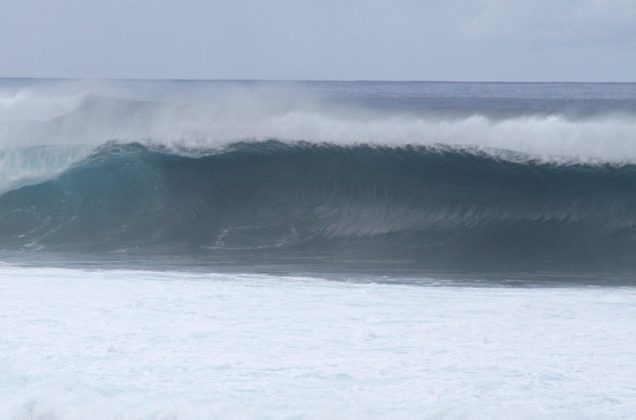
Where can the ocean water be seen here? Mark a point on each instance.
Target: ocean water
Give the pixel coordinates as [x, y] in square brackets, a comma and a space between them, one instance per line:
[244, 249]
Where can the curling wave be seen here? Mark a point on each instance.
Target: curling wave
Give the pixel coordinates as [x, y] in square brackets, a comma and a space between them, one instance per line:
[437, 206]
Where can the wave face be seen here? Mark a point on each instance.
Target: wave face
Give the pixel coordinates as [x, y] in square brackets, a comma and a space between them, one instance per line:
[436, 206]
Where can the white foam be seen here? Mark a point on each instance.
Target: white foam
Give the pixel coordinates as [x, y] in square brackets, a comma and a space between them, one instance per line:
[156, 345]
[93, 113]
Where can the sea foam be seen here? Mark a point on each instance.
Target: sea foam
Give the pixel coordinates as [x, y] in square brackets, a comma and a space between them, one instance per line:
[158, 345]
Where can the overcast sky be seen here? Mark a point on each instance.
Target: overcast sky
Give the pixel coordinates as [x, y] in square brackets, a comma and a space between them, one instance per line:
[507, 40]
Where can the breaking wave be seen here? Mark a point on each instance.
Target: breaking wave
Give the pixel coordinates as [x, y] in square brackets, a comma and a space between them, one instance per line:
[585, 123]
[438, 206]
[437, 174]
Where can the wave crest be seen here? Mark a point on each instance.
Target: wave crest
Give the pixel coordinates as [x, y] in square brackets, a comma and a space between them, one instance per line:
[553, 128]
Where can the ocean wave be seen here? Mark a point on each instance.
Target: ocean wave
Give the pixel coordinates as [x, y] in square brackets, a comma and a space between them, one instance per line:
[556, 129]
[437, 205]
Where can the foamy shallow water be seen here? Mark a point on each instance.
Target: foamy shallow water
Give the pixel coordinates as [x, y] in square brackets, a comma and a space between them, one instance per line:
[78, 344]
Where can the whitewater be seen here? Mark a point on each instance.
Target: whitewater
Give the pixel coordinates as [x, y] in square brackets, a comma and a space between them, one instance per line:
[163, 345]
[249, 249]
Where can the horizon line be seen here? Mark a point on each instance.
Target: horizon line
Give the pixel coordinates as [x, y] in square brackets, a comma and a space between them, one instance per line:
[273, 80]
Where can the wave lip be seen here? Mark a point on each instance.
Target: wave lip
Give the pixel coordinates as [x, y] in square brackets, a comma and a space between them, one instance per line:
[435, 206]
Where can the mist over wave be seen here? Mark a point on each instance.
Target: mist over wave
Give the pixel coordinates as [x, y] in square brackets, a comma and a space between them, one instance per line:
[558, 123]
[21, 166]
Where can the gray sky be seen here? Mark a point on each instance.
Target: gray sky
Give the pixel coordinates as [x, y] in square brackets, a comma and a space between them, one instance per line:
[531, 40]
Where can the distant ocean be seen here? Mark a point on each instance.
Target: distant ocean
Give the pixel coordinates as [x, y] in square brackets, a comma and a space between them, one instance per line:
[205, 249]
